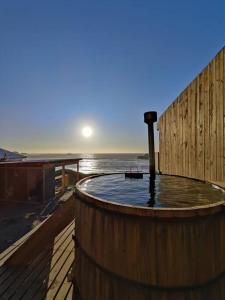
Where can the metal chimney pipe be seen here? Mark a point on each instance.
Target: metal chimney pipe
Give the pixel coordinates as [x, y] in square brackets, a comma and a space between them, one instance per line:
[149, 118]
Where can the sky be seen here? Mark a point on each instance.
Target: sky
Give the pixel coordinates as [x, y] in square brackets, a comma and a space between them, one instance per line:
[67, 64]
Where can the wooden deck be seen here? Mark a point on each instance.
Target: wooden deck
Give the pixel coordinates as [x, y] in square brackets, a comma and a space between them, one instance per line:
[46, 276]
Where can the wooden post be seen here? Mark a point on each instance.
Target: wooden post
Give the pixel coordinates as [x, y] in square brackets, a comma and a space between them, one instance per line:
[63, 178]
[159, 163]
[44, 185]
[5, 183]
[149, 118]
[78, 177]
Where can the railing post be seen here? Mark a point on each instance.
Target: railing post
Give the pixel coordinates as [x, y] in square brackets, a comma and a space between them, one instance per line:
[78, 177]
[63, 178]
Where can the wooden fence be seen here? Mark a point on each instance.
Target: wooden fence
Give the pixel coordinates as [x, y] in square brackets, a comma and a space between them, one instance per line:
[192, 129]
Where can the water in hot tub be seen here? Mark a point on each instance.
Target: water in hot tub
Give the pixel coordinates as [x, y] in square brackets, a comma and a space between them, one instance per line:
[168, 191]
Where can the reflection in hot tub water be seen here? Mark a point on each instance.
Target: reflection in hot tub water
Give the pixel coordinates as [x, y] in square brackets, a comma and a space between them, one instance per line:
[167, 191]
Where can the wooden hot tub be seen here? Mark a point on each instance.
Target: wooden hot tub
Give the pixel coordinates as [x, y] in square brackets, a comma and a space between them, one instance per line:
[126, 252]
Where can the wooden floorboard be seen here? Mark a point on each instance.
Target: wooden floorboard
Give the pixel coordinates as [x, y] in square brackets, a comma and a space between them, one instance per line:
[63, 291]
[24, 275]
[46, 276]
[70, 293]
[59, 282]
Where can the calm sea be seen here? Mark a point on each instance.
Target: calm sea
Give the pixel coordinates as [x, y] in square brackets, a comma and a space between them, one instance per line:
[102, 163]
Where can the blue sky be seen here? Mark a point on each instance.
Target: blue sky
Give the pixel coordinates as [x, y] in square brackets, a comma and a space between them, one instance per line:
[67, 64]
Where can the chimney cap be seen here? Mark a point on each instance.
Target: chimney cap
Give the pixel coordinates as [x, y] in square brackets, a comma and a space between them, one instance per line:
[150, 117]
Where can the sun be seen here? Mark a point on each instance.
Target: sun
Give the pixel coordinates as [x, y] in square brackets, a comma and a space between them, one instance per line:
[87, 131]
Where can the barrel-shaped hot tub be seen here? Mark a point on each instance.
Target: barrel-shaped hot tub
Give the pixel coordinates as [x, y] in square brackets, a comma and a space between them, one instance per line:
[135, 252]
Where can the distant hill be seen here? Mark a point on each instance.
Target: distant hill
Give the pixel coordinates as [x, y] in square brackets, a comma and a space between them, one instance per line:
[6, 155]
[145, 156]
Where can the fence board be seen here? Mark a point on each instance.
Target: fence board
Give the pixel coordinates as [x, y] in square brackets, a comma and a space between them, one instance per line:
[192, 129]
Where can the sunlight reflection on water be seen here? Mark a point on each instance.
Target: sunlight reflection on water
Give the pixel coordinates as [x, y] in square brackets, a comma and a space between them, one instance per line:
[101, 163]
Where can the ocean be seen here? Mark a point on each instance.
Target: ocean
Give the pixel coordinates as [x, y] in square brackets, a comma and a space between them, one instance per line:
[102, 163]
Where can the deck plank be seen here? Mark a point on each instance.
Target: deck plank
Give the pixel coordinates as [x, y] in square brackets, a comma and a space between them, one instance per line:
[46, 276]
[70, 293]
[63, 291]
[39, 286]
[59, 282]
